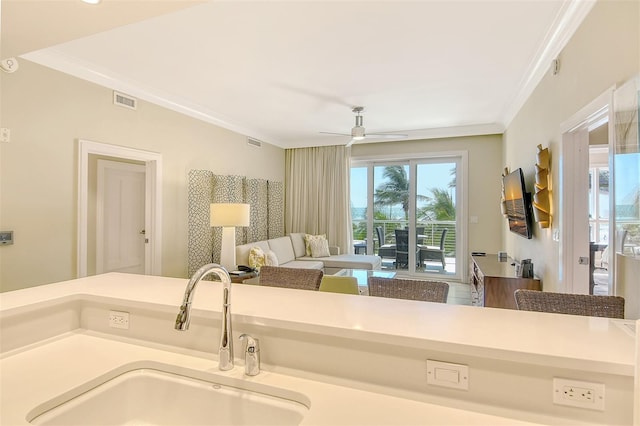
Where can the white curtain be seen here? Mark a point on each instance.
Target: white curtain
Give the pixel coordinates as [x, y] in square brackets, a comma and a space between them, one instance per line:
[317, 193]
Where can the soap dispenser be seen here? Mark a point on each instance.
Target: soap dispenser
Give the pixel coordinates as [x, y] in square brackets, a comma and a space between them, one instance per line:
[251, 355]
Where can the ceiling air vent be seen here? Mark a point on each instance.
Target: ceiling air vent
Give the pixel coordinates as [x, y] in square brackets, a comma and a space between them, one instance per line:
[254, 142]
[124, 100]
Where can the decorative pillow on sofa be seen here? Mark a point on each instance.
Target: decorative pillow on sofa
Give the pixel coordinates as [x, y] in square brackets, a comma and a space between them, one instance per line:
[308, 238]
[319, 248]
[256, 258]
[270, 258]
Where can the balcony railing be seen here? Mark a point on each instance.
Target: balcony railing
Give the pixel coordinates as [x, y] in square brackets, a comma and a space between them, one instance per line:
[431, 233]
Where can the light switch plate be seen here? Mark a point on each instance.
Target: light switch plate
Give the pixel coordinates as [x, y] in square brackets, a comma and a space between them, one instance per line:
[447, 374]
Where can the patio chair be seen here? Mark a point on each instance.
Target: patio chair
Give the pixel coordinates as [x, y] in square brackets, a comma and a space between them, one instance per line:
[402, 249]
[571, 304]
[298, 278]
[385, 251]
[400, 288]
[433, 253]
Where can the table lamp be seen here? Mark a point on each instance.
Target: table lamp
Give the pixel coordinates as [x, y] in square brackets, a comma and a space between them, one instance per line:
[229, 215]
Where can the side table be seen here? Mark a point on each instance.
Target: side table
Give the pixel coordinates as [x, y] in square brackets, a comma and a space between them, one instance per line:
[239, 279]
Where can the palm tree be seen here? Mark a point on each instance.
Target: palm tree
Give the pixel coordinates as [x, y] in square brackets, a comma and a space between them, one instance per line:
[395, 189]
[440, 206]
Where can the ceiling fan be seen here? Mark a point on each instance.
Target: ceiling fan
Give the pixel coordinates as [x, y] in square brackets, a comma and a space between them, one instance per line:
[358, 132]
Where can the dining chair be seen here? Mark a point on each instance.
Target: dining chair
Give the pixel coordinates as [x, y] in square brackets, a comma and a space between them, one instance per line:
[433, 253]
[402, 249]
[338, 284]
[402, 288]
[419, 233]
[298, 278]
[571, 304]
[385, 251]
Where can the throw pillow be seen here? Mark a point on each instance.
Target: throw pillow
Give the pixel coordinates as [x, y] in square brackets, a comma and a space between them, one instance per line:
[256, 258]
[308, 238]
[270, 258]
[319, 248]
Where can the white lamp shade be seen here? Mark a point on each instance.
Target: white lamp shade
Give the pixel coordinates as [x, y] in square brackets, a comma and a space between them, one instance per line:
[229, 214]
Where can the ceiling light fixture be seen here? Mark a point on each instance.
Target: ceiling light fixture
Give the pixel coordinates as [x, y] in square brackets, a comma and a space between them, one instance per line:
[92, 1]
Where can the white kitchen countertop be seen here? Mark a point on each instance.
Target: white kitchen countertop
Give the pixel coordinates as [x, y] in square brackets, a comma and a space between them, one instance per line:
[32, 375]
[597, 344]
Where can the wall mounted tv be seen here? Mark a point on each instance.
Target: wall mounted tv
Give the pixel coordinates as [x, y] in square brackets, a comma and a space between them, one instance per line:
[518, 202]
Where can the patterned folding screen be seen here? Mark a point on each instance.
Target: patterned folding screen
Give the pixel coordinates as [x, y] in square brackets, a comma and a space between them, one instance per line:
[257, 196]
[267, 212]
[275, 214]
[200, 237]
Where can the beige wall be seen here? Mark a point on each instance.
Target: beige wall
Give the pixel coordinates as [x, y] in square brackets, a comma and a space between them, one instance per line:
[604, 51]
[47, 112]
[485, 168]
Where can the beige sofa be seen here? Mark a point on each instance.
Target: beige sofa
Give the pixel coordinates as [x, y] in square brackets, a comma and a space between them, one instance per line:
[290, 251]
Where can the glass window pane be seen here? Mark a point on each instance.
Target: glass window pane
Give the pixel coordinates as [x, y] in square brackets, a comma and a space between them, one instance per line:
[391, 207]
[436, 217]
[359, 208]
[603, 193]
[421, 247]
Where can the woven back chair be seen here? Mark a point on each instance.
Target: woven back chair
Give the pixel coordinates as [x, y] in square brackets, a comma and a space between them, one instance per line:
[571, 304]
[278, 276]
[400, 288]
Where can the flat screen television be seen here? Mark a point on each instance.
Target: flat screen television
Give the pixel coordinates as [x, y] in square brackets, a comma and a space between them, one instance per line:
[518, 202]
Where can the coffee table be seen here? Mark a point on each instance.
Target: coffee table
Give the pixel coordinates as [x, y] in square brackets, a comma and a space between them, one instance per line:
[362, 275]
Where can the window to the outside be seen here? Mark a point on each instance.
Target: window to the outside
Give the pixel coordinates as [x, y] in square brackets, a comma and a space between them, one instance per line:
[407, 213]
[599, 205]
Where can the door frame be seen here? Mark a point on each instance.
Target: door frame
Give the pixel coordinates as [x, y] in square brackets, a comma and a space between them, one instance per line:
[153, 199]
[572, 156]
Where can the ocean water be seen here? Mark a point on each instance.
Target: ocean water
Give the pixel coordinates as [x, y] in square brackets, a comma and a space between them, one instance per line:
[393, 212]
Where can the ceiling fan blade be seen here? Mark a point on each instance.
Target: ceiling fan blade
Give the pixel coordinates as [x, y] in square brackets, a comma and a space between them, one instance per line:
[337, 134]
[350, 143]
[385, 136]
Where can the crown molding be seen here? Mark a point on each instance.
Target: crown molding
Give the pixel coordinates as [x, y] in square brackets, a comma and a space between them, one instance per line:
[56, 60]
[569, 18]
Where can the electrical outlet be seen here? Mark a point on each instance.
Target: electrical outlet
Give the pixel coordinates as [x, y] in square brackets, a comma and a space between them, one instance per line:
[576, 393]
[119, 319]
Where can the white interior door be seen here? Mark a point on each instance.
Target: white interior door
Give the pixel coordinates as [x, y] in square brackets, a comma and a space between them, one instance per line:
[575, 200]
[120, 218]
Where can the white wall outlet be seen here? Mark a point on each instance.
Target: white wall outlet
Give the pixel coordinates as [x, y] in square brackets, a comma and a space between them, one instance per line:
[5, 135]
[447, 374]
[118, 319]
[576, 393]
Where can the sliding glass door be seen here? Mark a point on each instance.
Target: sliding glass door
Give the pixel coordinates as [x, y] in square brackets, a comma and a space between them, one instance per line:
[435, 221]
[407, 212]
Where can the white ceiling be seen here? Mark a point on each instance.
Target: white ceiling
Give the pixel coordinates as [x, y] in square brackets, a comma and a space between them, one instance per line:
[281, 71]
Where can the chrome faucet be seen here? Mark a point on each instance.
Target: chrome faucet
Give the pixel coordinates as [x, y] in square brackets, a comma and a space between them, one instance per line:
[225, 352]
